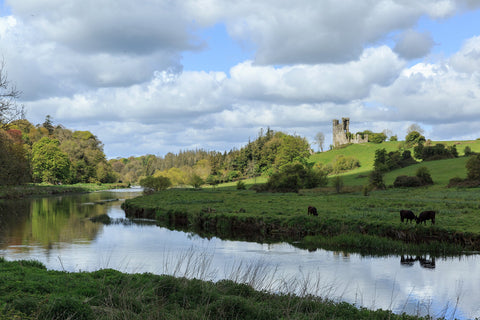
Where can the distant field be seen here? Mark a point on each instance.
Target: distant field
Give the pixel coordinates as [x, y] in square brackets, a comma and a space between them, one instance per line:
[442, 171]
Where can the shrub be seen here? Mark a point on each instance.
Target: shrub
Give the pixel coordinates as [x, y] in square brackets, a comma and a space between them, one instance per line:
[241, 185]
[468, 151]
[376, 180]
[342, 163]
[338, 183]
[436, 152]
[463, 183]
[424, 175]
[152, 184]
[293, 177]
[407, 181]
[473, 167]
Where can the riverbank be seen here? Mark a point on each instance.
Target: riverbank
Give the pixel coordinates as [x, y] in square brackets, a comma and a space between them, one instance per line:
[345, 221]
[29, 291]
[16, 192]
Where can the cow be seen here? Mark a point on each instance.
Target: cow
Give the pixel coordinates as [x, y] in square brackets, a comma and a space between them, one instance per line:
[312, 211]
[426, 215]
[407, 215]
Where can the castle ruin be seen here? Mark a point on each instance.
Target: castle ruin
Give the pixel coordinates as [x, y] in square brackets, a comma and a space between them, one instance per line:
[342, 135]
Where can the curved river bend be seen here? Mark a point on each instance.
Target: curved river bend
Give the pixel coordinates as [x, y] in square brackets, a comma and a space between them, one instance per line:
[57, 232]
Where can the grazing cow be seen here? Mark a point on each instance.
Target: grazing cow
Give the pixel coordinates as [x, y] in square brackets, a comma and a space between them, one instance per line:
[312, 211]
[426, 215]
[407, 215]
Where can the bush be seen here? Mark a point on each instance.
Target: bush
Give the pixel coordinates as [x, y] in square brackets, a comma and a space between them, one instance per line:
[436, 152]
[468, 151]
[376, 180]
[424, 175]
[293, 177]
[152, 184]
[463, 183]
[407, 181]
[241, 185]
[473, 167]
[342, 164]
[338, 183]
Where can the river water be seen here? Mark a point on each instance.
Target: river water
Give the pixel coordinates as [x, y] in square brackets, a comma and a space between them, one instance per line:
[57, 232]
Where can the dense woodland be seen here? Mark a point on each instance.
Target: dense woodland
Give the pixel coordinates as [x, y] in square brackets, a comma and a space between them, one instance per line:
[51, 154]
[263, 156]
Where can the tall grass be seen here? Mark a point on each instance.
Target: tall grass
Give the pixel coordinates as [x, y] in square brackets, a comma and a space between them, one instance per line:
[29, 291]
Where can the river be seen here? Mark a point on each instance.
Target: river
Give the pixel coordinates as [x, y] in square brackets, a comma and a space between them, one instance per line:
[57, 232]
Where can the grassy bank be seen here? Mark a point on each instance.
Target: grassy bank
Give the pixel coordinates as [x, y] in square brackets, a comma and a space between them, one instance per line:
[29, 291]
[344, 221]
[14, 192]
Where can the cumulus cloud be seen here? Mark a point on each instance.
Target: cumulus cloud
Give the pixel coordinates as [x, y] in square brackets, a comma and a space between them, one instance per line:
[299, 32]
[412, 44]
[432, 94]
[317, 83]
[467, 60]
[115, 68]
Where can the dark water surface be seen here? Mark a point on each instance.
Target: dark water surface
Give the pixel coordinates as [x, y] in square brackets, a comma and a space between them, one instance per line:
[57, 232]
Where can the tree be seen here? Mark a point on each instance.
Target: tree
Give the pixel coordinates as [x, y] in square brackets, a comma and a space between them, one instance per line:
[14, 166]
[9, 109]
[424, 175]
[48, 124]
[49, 163]
[320, 140]
[413, 138]
[196, 181]
[152, 184]
[415, 127]
[473, 167]
[376, 180]
[292, 149]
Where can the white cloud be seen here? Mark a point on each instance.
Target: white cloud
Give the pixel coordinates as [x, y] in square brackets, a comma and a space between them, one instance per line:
[286, 32]
[433, 94]
[316, 83]
[467, 60]
[115, 68]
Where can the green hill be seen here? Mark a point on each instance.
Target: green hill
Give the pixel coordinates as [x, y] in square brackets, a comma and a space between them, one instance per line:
[442, 170]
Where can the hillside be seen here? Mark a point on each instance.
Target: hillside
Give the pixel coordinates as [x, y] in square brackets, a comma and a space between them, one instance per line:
[442, 170]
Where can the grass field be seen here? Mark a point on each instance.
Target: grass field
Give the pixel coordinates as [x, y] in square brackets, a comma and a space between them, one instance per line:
[352, 214]
[29, 291]
[12, 192]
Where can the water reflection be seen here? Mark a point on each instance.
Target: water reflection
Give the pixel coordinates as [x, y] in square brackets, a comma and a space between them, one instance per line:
[57, 232]
[424, 261]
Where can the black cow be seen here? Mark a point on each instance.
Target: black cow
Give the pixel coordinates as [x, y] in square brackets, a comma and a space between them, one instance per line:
[407, 215]
[312, 211]
[426, 215]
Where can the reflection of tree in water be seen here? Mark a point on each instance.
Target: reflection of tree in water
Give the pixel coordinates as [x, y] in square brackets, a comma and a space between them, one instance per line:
[425, 262]
[51, 220]
[13, 216]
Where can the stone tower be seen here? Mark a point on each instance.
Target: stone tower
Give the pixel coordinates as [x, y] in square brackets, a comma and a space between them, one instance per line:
[342, 135]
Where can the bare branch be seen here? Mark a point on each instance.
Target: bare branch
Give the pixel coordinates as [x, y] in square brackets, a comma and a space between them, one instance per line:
[9, 109]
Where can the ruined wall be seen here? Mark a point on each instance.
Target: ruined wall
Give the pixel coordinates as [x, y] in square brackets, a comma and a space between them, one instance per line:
[342, 135]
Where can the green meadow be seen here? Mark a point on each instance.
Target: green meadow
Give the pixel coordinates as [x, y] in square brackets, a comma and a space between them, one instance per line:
[350, 220]
[29, 291]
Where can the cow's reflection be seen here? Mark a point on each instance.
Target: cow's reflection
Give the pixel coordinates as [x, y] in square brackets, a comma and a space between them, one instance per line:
[425, 262]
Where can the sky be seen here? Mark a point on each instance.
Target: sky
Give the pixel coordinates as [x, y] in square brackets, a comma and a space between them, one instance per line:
[159, 76]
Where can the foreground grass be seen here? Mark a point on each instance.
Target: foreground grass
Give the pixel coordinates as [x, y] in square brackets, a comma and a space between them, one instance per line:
[29, 291]
[12, 192]
[345, 220]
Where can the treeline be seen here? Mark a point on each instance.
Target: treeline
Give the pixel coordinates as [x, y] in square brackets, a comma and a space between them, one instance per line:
[270, 151]
[51, 154]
